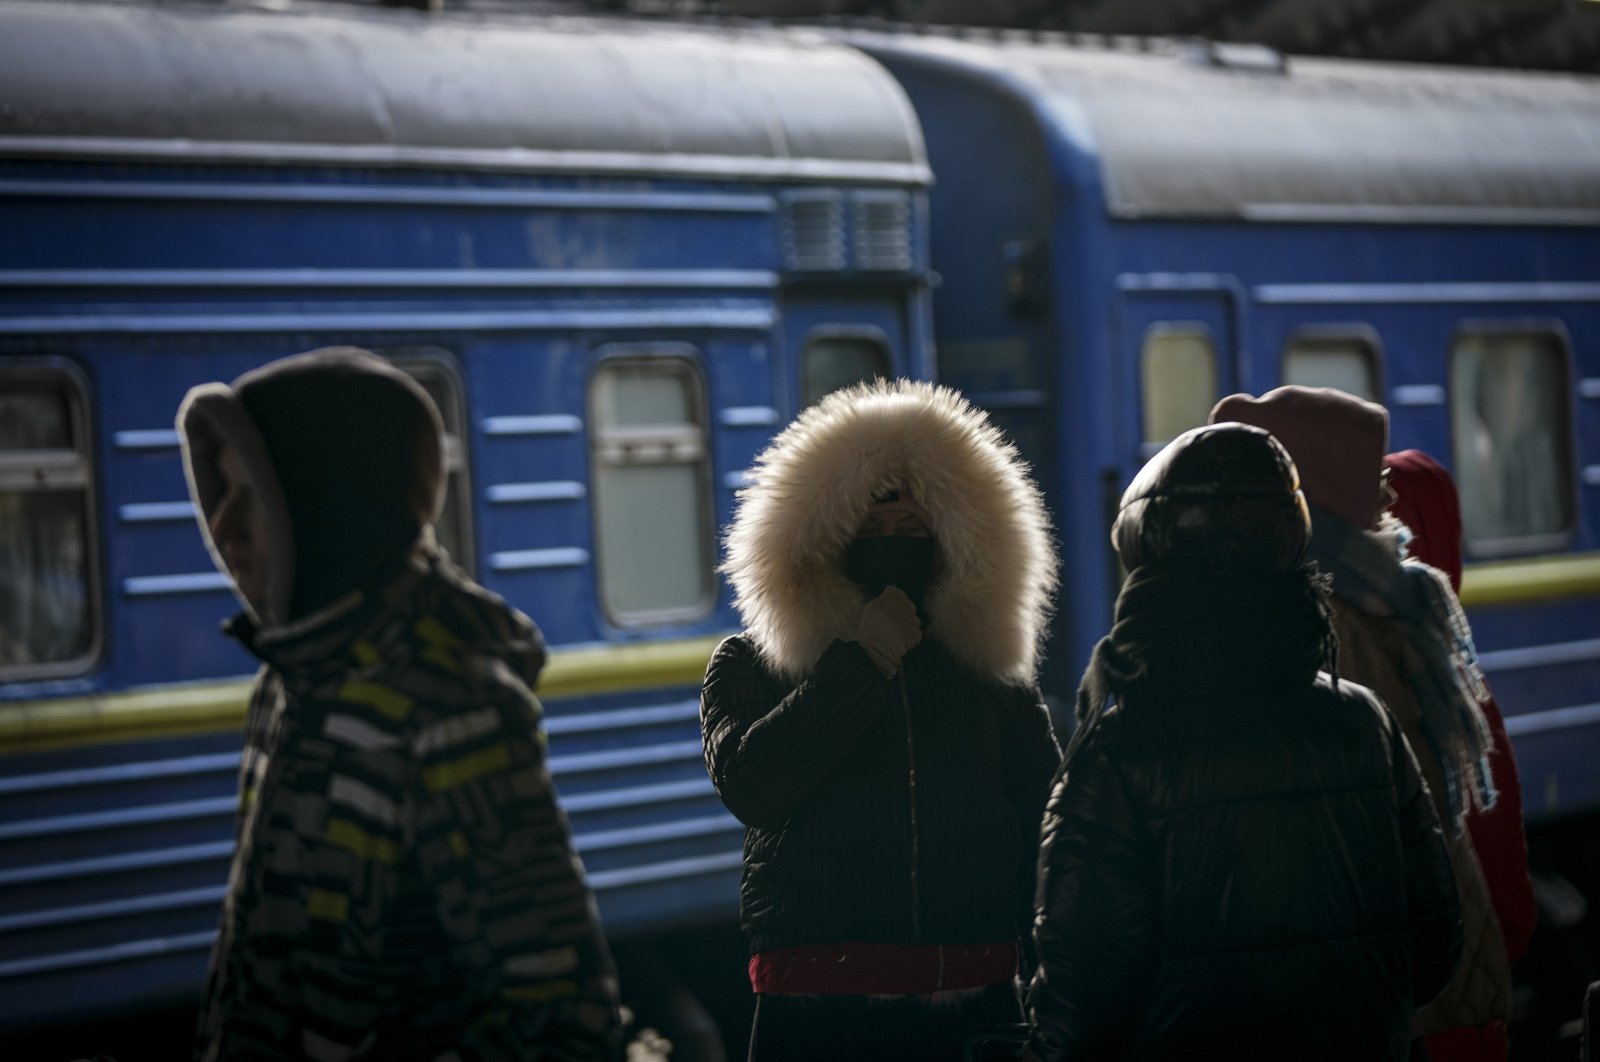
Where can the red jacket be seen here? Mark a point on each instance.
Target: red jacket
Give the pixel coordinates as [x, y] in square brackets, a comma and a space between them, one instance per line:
[1426, 502]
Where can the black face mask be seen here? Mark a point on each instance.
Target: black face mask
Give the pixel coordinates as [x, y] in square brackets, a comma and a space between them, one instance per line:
[892, 560]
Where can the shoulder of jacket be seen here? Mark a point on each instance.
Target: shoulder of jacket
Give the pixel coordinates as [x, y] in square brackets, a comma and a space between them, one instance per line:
[1344, 688]
[1353, 697]
[1104, 760]
[736, 644]
[267, 682]
[1116, 728]
[738, 651]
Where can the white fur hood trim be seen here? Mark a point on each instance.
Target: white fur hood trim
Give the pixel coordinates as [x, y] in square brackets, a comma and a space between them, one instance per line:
[812, 487]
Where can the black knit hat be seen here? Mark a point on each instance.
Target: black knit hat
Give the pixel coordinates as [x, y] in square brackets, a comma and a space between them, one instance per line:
[357, 446]
[1225, 497]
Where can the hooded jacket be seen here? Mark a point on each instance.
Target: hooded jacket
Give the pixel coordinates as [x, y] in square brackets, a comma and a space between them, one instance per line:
[403, 882]
[901, 810]
[1240, 859]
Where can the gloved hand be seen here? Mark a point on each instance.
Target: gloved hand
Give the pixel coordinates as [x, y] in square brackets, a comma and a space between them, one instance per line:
[888, 628]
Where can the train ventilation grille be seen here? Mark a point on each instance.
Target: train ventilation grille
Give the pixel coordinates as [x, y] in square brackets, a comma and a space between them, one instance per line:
[813, 231]
[881, 224]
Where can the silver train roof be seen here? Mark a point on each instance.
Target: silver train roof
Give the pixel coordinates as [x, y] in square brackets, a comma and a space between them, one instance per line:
[368, 87]
[1203, 131]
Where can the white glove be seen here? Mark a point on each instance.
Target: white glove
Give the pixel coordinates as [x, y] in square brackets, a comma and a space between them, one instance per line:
[888, 628]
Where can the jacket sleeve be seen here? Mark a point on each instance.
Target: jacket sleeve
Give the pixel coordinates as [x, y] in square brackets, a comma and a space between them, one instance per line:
[1502, 847]
[1097, 913]
[765, 748]
[1031, 758]
[496, 859]
[1432, 905]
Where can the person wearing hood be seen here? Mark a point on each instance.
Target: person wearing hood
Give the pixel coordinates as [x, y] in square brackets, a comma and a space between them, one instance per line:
[1426, 502]
[1239, 857]
[403, 882]
[877, 727]
[1401, 632]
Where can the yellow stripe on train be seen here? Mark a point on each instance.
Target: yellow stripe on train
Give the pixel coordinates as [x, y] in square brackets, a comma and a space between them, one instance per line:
[208, 707]
[1531, 580]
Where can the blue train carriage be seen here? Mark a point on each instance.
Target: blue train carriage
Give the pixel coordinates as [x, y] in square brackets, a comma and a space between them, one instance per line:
[619, 256]
[1127, 233]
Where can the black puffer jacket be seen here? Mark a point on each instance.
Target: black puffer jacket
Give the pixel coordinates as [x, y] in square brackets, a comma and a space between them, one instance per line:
[903, 810]
[1269, 865]
[900, 810]
[1240, 861]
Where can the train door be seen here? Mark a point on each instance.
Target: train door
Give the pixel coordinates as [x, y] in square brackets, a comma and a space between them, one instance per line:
[1173, 354]
[1176, 356]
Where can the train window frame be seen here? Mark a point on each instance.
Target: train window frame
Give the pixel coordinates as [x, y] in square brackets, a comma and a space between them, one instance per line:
[631, 447]
[415, 361]
[1161, 330]
[1357, 334]
[22, 474]
[877, 337]
[1542, 330]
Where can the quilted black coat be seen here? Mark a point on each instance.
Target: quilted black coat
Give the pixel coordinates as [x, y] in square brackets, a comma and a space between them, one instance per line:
[900, 810]
[1240, 860]
[1249, 878]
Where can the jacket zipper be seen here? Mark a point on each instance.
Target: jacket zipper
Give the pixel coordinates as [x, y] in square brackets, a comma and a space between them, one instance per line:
[911, 761]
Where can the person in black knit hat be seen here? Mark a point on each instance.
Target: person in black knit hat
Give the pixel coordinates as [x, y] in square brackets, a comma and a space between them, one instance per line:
[403, 883]
[1239, 858]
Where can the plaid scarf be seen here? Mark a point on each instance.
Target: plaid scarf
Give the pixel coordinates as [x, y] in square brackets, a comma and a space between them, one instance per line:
[1372, 572]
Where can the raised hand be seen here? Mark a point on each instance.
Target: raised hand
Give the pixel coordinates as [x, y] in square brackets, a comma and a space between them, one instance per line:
[888, 628]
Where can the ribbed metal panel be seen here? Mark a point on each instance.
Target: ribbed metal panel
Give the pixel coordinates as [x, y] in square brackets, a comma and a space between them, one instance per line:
[881, 230]
[813, 231]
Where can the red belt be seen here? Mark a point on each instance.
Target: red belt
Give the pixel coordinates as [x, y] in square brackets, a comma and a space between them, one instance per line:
[861, 969]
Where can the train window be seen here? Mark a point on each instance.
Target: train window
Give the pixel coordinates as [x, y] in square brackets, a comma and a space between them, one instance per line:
[1341, 360]
[1510, 429]
[1178, 381]
[839, 360]
[652, 486]
[435, 370]
[48, 593]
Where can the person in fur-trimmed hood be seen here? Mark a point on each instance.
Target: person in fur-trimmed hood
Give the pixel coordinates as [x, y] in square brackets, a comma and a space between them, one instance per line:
[1401, 632]
[403, 882]
[877, 727]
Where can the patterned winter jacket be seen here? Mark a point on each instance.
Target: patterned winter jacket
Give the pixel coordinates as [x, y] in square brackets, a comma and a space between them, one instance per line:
[404, 884]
